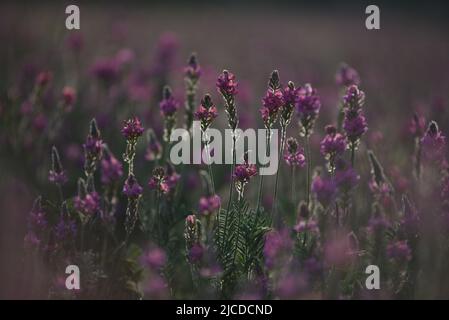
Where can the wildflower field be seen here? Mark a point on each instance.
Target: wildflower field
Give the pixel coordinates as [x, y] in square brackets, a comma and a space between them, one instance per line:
[87, 178]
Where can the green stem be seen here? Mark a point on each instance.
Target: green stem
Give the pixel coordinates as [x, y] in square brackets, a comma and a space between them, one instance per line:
[309, 169]
[281, 150]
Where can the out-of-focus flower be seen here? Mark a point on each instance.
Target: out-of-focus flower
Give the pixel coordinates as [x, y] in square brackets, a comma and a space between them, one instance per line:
[306, 226]
[65, 229]
[192, 74]
[155, 258]
[346, 178]
[93, 148]
[277, 247]
[156, 288]
[332, 146]
[111, 168]
[324, 190]
[195, 253]
[154, 148]
[124, 57]
[68, 97]
[417, 125]
[433, 143]
[168, 106]
[75, 42]
[43, 79]
[166, 49]
[209, 205]
[40, 122]
[294, 155]
[193, 70]
[399, 251]
[37, 224]
[341, 250]
[57, 173]
[131, 188]
[89, 203]
[291, 286]
[242, 175]
[377, 223]
[347, 76]
[308, 106]
[206, 112]
[106, 70]
[192, 235]
[354, 122]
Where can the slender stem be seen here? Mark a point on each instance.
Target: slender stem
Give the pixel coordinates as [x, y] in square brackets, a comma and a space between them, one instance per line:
[231, 186]
[309, 169]
[259, 196]
[209, 165]
[352, 155]
[281, 150]
[293, 185]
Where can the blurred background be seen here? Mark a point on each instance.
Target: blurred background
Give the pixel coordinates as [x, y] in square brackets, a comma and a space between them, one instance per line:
[403, 69]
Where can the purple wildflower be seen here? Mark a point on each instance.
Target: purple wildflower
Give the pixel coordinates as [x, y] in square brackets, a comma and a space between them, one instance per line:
[346, 178]
[206, 112]
[57, 173]
[93, 148]
[68, 97]
[131, 188]
[168, 106]
[226, 84]
[306, 226]
[277, 246]
[399, 251]
[154, 148]
[307, 106]
[193, 70]
[354, 122]
[294, 155]
[132, 129]
[324, 189]
[195, 253]
[433, 143]
[158, 182]
[111, 168]
[209, 205]
[332, 146]
[106, 70]
[242, 174]
[155, 258]
[347, 76]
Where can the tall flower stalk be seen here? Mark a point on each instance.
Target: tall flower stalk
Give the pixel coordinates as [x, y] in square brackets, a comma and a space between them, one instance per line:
[169, 107]
[57, 174]
[354, 123]
[131, 130]
[272, 103]
[93, 149]
[192, 73]
[227, 87]
[206, 113]
[307, 107]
